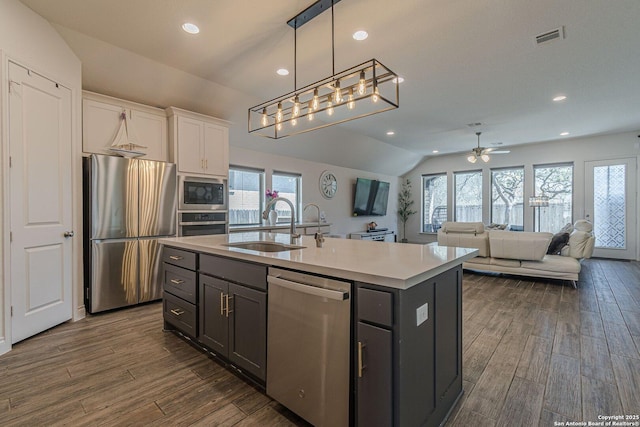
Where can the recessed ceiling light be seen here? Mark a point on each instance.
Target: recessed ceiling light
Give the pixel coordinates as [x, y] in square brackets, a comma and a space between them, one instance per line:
[190, 28]
[391, 133]
[398, 79]
[559, 98]
[435, 151]
[564, 134]
[283, 72]
[360, 35]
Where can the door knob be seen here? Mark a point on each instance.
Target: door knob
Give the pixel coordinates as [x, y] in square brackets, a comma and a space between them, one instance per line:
[68, 234]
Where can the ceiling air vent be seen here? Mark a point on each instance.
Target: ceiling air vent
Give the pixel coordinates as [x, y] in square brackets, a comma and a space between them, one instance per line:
[549, 36]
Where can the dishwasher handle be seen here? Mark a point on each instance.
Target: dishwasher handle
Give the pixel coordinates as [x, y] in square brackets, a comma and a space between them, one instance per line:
[309, 289]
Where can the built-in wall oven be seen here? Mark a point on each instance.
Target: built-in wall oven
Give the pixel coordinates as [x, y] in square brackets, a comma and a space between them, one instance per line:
[191, 223]
[202, 206]
[202, 194]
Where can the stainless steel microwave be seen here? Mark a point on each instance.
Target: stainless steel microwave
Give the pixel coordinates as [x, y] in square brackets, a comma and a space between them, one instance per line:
[201, 194]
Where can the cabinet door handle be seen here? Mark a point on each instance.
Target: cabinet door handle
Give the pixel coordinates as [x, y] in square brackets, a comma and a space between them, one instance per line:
[177, 311]
[206, 163]
[361, 366]
[221, 304]
[177, 281]
[227, 304]
[175, 257]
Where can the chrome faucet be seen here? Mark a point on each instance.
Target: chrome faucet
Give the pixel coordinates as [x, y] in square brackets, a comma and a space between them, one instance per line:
[318, 236]
[272, 202]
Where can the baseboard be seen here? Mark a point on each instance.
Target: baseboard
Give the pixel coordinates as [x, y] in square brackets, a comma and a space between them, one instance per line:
[80, 313]
[5, 346]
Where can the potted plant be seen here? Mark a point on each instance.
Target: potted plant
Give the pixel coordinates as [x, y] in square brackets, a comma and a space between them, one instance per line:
[405, 202]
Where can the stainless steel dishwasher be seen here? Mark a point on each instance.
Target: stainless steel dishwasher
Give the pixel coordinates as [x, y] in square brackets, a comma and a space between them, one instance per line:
[308, 337]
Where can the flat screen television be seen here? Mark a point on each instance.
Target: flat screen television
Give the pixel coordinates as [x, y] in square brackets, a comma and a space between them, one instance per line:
[371, 197]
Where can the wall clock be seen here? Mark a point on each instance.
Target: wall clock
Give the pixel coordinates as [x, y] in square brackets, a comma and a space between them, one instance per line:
[328, 184]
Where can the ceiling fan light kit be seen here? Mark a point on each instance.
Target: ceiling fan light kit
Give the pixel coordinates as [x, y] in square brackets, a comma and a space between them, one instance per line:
[360, 91]
[479, 152]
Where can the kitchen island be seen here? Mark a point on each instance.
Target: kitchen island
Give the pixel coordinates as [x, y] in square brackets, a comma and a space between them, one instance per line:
[402, 363]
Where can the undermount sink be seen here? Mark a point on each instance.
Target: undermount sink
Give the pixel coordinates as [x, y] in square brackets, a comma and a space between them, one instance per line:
[264, 246]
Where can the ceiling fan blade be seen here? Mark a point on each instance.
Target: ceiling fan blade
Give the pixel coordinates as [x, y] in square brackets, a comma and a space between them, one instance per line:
[501, 152]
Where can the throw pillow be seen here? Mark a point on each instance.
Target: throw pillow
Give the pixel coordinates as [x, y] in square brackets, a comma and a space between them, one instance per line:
[558, 241]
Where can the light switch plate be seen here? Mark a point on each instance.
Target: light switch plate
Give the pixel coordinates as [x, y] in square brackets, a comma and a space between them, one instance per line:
[422, 314]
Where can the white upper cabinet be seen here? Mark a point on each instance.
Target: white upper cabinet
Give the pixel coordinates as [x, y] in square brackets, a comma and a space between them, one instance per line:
[101, 120]
[199, 144]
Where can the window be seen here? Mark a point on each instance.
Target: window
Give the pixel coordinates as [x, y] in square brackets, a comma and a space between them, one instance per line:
[245, 195]
[434, 202]
[468, 196]
[507, 188]
[288, 186]
[555, 182]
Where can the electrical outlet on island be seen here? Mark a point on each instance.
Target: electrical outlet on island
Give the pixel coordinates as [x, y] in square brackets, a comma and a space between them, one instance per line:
[422, 314]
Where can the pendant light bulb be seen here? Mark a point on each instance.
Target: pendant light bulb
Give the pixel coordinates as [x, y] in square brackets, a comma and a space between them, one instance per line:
[362, 84]
[329, 106]
[294, 122]
[296, 107]
[337, 93]
[351, 104]
[279, 113]
[485, 158]
[316, 100]
[376, 95]
[265, 118]
[310, 113]
[279, 126]
[472, 158]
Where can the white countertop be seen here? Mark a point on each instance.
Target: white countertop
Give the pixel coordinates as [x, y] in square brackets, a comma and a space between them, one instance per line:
[395, 265]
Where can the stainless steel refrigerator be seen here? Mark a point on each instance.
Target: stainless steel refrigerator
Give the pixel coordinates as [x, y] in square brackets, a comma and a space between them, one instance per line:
[128, 204]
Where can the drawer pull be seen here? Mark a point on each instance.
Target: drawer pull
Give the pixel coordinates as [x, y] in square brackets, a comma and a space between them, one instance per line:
[175, 257]
[177, 281]
[177, 311]
[361, 366]
[221, 304]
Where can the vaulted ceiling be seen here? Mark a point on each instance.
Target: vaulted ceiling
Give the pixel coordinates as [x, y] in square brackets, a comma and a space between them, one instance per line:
[464, 62]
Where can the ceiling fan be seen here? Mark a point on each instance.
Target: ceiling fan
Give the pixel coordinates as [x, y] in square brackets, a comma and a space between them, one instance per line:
[482, 152]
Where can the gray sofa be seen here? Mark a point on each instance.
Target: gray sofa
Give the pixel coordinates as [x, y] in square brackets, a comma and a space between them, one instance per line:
[520, 253]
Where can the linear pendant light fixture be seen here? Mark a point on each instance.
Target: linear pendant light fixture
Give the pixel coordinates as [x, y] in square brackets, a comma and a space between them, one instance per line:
[359, 91]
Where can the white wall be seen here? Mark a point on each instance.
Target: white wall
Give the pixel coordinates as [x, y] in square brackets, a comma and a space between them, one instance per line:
[29, 40]
[338, 209]
[578, 151]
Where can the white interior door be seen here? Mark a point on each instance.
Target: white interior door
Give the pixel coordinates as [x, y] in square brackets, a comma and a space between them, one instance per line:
[611, 206]
[40, 194]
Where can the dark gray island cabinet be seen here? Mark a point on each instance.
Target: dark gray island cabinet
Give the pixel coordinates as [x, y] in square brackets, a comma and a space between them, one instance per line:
[220, 304]
[408, 348]
[406, 352]
[233, 312]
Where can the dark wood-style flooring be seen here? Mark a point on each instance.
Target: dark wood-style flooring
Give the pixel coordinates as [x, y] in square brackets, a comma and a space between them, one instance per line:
[535, 352]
